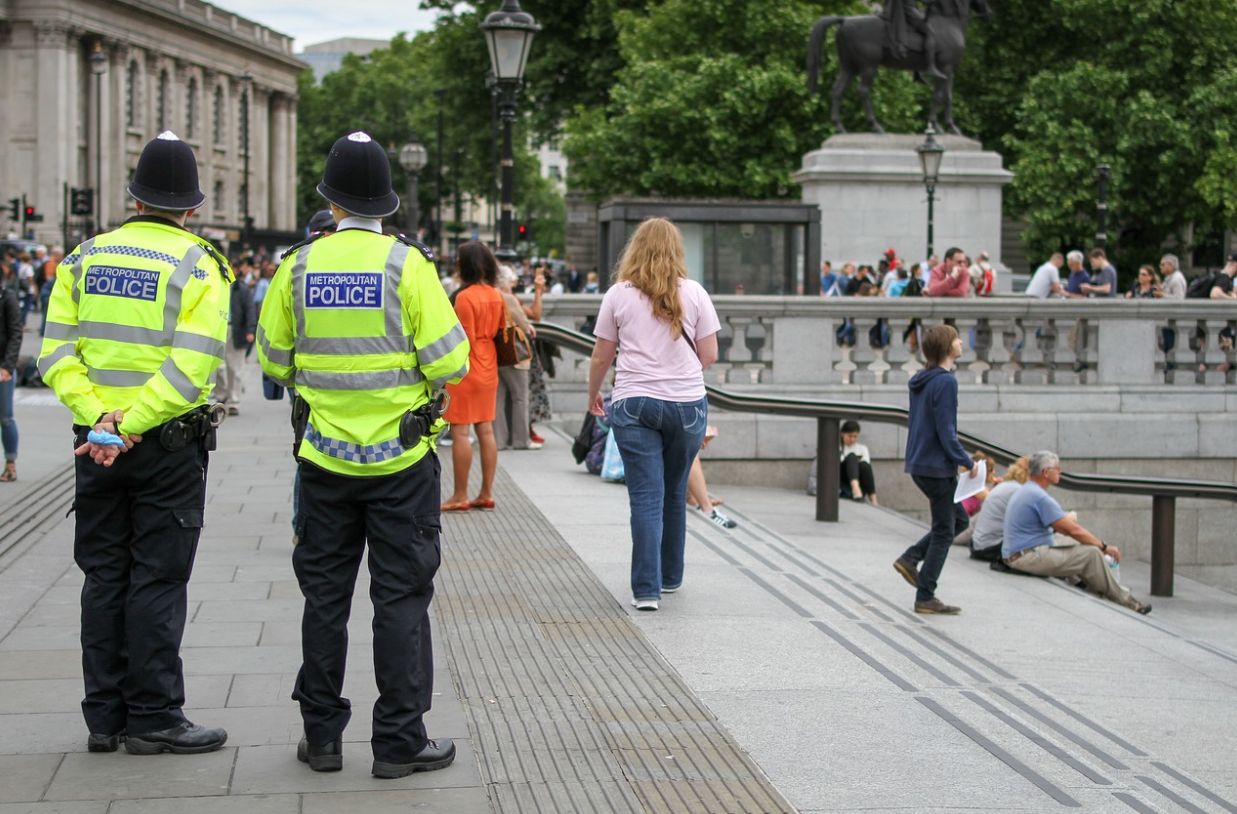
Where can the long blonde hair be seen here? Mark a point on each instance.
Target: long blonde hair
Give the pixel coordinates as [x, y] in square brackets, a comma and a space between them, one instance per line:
[653, 262]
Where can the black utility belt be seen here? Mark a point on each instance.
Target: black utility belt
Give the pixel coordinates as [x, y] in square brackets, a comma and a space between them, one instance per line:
[196, 426]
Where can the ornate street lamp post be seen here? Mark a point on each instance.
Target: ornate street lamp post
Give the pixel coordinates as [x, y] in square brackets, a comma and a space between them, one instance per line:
[247, 229]
[1101, 207]
[412, 157]
[930, 155]
[509, 34]
[98, 67]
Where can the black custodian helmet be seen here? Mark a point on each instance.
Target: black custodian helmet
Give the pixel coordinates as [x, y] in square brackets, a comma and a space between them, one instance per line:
[357, 178]
[167, 175]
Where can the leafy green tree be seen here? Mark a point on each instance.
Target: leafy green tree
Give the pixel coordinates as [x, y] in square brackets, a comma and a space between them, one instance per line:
[712, 101]
[1060, 86]
[391, 94]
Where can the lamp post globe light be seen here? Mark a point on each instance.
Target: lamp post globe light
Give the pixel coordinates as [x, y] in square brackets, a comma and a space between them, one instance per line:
[509, 35]
[930, 155]
[412, 157]
[98, 67]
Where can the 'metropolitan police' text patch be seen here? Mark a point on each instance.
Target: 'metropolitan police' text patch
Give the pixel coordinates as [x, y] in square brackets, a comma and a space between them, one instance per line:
[343, 289]
[114, 281]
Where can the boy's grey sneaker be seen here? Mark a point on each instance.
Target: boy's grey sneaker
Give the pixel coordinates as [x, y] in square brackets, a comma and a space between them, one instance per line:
[722, 520]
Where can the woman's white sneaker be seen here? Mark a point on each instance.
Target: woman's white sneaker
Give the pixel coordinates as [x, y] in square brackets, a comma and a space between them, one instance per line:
[644, 604]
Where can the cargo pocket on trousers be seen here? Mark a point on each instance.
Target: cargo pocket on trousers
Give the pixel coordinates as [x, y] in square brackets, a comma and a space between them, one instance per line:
[182, 546]
[426, 551]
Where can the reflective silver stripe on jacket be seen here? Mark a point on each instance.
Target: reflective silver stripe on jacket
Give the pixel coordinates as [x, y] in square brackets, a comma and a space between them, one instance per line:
[441, 381]
[276, 355]
[393, 273]
[365, 380]
[117, 378]
[355, 345]
[45, 364]
[441, 347]
[181, 383]
[176, 285]
[298, 288]
[82, 251]
[202, 344]
[356, 453]
[152, 337]
[130, 334]
[60, 331]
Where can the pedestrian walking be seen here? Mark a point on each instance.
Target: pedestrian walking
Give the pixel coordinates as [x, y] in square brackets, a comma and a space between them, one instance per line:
[10, 346]
[357, 322]
[933, 458]
[242, 326]
[666, 327]
[135, 329]
[482, 313]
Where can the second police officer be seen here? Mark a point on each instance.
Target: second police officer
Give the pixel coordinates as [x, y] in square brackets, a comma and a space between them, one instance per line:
[135, 330]
[358, 323]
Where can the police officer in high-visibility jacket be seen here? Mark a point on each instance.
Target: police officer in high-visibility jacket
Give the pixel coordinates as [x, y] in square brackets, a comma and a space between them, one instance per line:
[358, 323]
[135, 328]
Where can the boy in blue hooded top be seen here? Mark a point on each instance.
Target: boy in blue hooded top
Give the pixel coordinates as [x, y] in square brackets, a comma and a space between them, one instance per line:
[933, 457]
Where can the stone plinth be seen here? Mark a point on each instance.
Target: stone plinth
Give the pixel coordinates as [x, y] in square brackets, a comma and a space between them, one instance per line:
[871, 195]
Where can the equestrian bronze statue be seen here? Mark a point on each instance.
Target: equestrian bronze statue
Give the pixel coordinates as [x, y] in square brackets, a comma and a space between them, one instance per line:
[930, 43]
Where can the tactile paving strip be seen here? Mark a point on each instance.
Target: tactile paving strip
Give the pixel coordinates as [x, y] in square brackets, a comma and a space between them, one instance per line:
[571, 708]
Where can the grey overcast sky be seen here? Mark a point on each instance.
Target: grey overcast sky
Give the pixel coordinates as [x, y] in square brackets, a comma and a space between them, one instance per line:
[314, 21]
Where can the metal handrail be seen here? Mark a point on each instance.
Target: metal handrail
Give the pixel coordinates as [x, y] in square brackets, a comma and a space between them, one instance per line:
[828, 413]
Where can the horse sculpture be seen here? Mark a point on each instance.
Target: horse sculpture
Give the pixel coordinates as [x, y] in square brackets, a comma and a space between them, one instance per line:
[863, 46]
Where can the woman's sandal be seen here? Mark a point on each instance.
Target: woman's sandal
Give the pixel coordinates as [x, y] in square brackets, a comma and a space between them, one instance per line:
[487, 504]
[9, 474]
[456, 506]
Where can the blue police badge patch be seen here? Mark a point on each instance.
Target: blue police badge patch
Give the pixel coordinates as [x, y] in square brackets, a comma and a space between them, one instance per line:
[343, 289]
[116, 281]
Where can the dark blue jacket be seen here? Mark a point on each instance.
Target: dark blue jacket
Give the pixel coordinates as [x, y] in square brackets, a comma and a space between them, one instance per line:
[932, 446]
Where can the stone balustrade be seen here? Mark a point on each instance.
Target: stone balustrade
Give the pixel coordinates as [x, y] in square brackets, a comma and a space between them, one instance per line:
[799, 341]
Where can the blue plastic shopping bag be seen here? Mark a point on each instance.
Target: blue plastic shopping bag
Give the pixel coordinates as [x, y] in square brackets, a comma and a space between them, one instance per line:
[612, 463]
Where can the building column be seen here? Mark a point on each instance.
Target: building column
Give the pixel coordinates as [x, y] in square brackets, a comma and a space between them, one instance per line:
[289, 204]
[115, 176]
[56, 114]
[278, 176]
[260, 157]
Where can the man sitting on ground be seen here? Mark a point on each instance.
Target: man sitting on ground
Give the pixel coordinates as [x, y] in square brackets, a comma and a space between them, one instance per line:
[1030, 520]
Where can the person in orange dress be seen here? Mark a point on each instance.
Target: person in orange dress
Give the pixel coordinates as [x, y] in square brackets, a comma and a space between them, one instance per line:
[481, 311]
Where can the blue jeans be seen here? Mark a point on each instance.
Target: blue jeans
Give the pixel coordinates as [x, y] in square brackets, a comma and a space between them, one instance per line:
[8, 424]
[658, 441]
[949, 520]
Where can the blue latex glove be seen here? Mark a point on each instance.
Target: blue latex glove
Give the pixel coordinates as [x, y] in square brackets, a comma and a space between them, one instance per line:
[105, 439]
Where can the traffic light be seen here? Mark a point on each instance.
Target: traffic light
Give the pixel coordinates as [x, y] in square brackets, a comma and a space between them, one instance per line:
[15, 208]
[81, 201]
[32, 215]
[522, 231]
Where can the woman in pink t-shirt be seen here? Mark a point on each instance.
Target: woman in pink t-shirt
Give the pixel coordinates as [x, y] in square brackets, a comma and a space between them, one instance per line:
[666, 328]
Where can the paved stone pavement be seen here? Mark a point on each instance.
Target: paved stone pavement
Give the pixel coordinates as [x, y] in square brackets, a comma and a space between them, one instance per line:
[787, 673]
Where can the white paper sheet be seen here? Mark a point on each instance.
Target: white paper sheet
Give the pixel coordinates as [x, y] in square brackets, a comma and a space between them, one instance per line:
[968, 486]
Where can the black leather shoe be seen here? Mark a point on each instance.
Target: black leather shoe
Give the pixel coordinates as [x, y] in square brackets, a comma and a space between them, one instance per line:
[326, 758]
[183, 739]
[436, 755]
[104, 743]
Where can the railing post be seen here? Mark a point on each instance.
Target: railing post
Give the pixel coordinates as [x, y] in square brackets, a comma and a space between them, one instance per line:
[1163, 540]
[828, 469]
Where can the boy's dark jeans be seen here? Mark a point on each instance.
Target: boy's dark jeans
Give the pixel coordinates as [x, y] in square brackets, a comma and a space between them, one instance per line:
[948, 521]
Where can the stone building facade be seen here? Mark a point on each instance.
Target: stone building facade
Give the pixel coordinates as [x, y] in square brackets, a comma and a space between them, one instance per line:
[180, 65]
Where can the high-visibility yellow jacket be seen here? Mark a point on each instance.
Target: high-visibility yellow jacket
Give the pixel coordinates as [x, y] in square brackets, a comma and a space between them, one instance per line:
[359, 324]
[136, 322]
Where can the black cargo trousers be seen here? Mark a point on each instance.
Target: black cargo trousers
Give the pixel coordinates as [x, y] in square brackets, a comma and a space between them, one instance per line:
[137, 528]
[397, 515]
